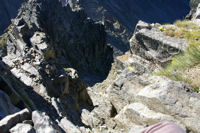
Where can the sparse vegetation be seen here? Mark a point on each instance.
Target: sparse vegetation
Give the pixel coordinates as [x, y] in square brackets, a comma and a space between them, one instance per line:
[50, 54]
[186, 24]
[182, 64]
[3, 39]
[161, 29]
[170, 31]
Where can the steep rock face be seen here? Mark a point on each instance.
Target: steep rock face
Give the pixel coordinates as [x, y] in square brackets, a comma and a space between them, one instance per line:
[78, 37]
[193, 6]
[11, 120]
[152, 44]
[15, 89]
[120, 17]
[43, 123]
[8, 11]
[22, 128]
[47, 41]
[45, 44]
[41, 49]
[194, 14]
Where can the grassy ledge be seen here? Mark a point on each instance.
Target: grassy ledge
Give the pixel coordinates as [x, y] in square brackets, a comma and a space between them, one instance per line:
[185, 66]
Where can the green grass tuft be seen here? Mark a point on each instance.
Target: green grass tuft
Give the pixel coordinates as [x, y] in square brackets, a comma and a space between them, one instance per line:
[176, 70]
[187, 24]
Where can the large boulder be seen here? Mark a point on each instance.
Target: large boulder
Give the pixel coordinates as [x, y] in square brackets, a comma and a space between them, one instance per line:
[22, 128]
[43, 123]
[40, 54]
[193, 6]
[68, 126]
[11, 120]
[145, 100]
[152, 44]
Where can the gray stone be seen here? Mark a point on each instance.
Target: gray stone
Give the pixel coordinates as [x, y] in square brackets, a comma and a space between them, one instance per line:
[146, 100]
[152, 44]
[136, 129]
[38, 41]
[43, 123]
[22, 128]
[68, 126]
[193, 6]
[90, 118]
[29, 68]
[125, 88]
[139, 114]
[99, 115]
[127, 14]
[26, 79]
[11, 120]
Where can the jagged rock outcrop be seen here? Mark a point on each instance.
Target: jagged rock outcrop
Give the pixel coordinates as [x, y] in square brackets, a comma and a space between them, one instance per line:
[193, 8]
[11, 120]
[54, 54]
[37, 53]
[120, 17]
[152, 44]
[137, 99]
[51, 52]
[115, 15]
[15, 89]
[22, 128]
[8, 11]
[194, 14]
[40, 49]
[43, 123]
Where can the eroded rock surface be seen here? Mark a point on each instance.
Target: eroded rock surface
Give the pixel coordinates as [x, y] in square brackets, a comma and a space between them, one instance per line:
[22, 128]
[11, 120]
[54, 54]
[152, 44]
[120, 17]
[43, 123]
[137, 99]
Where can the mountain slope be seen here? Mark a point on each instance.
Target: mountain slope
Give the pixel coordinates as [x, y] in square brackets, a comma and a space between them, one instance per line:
[8, 11]
[120, 17]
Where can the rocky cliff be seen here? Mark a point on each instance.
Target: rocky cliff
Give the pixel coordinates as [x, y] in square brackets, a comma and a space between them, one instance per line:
[8, 11]
[41, 50]
[118, 17]
[193, 7]
[58, 74]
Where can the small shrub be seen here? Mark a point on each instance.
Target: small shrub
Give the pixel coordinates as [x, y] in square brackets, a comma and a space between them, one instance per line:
[161, 29]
